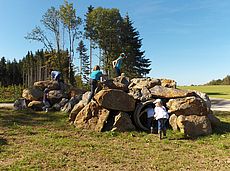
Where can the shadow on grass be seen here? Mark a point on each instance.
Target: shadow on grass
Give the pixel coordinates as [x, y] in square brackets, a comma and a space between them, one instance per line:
[3, 141]
[10, 118]
[222, 129]
[215, 93]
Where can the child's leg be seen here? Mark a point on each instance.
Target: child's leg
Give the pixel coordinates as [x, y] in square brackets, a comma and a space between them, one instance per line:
[160, 124]
[164, 126]
[149, 122]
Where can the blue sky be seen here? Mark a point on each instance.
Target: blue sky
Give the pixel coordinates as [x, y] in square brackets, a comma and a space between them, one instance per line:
[186, 40]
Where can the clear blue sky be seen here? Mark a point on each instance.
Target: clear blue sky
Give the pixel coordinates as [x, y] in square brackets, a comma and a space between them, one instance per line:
[186, 40]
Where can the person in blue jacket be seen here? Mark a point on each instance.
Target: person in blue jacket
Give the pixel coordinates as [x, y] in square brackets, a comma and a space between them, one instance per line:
[55, 75]
[94, 78]
[117, 64]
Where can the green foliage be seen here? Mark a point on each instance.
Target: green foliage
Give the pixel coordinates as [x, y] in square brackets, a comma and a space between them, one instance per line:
[224, 81]
[136, 65]
[84, 62]
[10, 72]
[105, 28]
[10, 93]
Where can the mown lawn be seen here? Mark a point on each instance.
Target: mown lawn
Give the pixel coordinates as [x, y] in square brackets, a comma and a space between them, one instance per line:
[218, 91]
[45, 141]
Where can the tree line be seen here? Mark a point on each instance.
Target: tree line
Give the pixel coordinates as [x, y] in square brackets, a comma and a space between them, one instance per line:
[63, 34]
[224, 81]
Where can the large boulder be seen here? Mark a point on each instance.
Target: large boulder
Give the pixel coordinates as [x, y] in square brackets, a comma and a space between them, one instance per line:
[92, 117]
[187, 106]
[123, 123]
[204, 97]
[164, 92]
[197, 125]
[111, 84]
[115, 100]
[31, 94]
[55, 96]
[168, 83]
[36, 105]
[76, 109]
[181, 123]
[42, 84]
[173, 122]
[139, 83]
[141, 94]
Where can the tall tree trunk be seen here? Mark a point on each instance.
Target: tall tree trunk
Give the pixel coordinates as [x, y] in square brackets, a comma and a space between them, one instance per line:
[90, 55]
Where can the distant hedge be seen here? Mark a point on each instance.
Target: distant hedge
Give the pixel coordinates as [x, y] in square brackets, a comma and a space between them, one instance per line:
[225, 81]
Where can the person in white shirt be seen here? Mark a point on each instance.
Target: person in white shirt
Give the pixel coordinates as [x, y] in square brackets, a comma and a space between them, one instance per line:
[161, 116]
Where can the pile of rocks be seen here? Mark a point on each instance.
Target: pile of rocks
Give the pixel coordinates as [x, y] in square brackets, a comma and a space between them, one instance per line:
[119, 104]
[61, 96]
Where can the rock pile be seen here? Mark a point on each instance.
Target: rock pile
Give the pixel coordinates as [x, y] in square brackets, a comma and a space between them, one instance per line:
[61, 96]
[119, 104]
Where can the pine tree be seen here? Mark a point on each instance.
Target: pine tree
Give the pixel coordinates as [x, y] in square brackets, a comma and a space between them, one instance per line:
[89, 34]
[3, 71]
[135, 65]
[84, 62]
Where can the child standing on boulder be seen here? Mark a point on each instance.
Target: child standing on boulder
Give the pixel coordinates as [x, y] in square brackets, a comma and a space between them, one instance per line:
[161, 116]
[55, 75]
[117, 64]
[94, 78]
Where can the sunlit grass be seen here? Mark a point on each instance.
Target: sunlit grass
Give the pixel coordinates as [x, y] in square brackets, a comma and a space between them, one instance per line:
[215, 91]
[45, 141]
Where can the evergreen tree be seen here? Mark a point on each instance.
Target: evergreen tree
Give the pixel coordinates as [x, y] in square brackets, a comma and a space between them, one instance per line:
[3, 71]
[105, 30]
[89, 34]
[135, 65]
[84, 62]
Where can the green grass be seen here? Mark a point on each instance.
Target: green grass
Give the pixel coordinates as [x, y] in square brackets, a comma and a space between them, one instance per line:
[10, 93]
[45, 141]
[215, 91]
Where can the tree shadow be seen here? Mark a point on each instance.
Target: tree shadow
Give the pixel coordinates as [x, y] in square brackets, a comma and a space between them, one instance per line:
[10, 118]
[3, 141]
[223, 128]
[215, 93]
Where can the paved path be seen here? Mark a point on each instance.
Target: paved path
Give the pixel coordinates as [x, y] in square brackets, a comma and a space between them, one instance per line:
[217, 104]
[6, 106]
[220, 104]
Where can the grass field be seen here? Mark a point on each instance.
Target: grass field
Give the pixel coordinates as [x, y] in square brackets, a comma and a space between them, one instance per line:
[10, 93]
[219, 91]
[45, 141]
